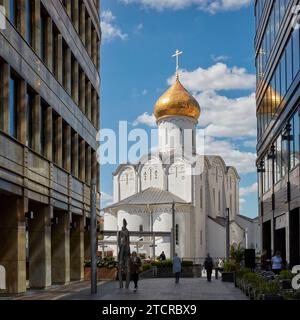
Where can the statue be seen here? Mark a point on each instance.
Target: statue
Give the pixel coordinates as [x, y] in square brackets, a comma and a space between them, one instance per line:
[124, 255]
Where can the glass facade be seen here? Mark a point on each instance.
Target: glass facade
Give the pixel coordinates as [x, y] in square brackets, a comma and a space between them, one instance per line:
[13, 108]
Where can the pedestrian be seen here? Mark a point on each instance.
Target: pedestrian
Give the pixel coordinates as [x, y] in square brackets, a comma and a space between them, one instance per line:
[220, 265]
[208, 265]
[135, 268]
[176, 267]
[277, 263]
[162, 256]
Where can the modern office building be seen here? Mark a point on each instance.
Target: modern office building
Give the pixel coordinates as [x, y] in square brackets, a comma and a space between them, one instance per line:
[49, 117]
[278, 93]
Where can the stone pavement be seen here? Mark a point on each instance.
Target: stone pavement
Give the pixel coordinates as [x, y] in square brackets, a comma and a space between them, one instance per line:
[164, 289]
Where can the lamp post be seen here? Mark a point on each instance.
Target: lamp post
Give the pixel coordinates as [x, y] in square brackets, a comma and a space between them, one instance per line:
[227, 234]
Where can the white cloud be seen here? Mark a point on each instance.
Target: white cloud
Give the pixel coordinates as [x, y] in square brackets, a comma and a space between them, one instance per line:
[250, 143]
[110, 31]
[144, 92]
[243, 161]
[146, 119]
[248, 190]
[105, 197]
[211, 6]
[227, 117]
[219, 58]
[217, 77]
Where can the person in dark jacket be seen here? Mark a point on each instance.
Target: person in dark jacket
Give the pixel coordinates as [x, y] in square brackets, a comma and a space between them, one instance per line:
[135, 266]
[162, 256]
[208, 265]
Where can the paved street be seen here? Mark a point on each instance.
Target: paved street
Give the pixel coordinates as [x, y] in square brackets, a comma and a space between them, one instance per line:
[165, 289]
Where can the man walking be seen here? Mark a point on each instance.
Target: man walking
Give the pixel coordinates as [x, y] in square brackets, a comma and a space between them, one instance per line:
[135, 266]
[208, 265]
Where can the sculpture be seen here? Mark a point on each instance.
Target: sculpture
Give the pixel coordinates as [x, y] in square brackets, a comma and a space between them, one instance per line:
[124, 255]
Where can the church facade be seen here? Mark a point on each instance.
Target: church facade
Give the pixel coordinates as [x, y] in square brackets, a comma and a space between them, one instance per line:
[174, 188]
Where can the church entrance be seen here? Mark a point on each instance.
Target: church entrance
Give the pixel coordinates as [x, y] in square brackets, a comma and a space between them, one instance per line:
[267, 240]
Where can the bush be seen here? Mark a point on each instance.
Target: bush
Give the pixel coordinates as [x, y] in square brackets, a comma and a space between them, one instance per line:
[187, 263]
[106, 262]
[162, 264]
[230, 266]
[285, 275]
[147, 266]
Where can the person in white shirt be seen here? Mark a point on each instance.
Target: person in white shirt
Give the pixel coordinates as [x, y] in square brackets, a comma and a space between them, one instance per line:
[277, 263]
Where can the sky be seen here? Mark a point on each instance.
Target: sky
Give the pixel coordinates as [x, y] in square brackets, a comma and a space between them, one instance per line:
[217, 67]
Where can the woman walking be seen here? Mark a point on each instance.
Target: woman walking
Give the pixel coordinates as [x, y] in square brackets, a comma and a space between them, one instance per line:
[135, 266]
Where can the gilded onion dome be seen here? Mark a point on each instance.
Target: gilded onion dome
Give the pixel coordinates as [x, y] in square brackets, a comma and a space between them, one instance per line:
[177, 101]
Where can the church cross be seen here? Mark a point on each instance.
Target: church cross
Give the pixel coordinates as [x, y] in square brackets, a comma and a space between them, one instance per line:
[177, 54]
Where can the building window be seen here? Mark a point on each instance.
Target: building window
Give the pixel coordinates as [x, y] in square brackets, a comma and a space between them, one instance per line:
[13, 107]
[54, 136]
[219, 200]
[177, 234]
[43, 117]
[43, 34]
[141, 229]
[201, 237]
[201, 198]
[13, 12]
[29, 117]
[29, 20]
[55, 34]
[214, 197]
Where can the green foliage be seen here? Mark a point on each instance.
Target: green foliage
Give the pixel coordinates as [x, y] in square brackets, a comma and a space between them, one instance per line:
[237, 254]
[285, 275]
[106, 262]
[147, 266]
[162, 264]
[230, 266]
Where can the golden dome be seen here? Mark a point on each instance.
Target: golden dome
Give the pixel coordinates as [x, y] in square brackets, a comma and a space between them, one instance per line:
[177, 102]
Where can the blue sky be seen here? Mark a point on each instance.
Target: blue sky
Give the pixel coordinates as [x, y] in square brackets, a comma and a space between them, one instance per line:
[217, 66]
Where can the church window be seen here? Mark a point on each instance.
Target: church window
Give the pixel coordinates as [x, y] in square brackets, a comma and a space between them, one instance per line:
[219, 201]
[216, 174]
[127, 179]
[141, 228]
[201, 198]
[176, 172]
[214, 197]
[156, 174]
[201, 237]
[231, 204]
[177, 234]
[166, 131]
[150, 174]
[145, 175]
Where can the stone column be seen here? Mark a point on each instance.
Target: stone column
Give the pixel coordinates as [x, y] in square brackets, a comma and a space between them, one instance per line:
[13, 242]
[48, 134]
[36, 110]
[94, 108]
[88, 101]
[21, 17]
[67, 148]
[88, 169]
[75, 148]
[82, 91]
[75, 80]
[59, 55]
[68, 70]
[40, 247]
[82, 22]
[36, 32]
[87, 240]
[69, 7]
[60, 249]
[49, 44]
[77, 248]
[58, 141]
[82, 160]
[22, 88]
[4, 96]
[75, 9]
[88, 35]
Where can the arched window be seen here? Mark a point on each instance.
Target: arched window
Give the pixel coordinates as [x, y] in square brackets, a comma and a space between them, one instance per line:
[156, 174]
[141, 228]
[145, 175]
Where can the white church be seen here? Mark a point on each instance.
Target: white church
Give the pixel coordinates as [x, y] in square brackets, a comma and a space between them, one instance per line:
[201, 188]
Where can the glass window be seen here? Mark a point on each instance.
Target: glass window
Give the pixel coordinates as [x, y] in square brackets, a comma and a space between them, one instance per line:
[289, 64]
[278, 160]
[13, 112]
[43, 34]
[13, 12]
[43, 116]
[28, 17]
[29, 118]
[296, 55]
[296, 138]
[284, 156]
[283, 76]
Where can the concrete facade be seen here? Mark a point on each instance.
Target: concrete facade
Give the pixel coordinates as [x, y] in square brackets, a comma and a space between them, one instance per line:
[49, 103]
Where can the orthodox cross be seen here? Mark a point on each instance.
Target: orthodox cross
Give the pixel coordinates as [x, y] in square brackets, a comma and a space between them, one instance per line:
[177, 54]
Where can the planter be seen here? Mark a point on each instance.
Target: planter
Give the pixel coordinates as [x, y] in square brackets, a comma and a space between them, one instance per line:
[228, 276]
[102, 273]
